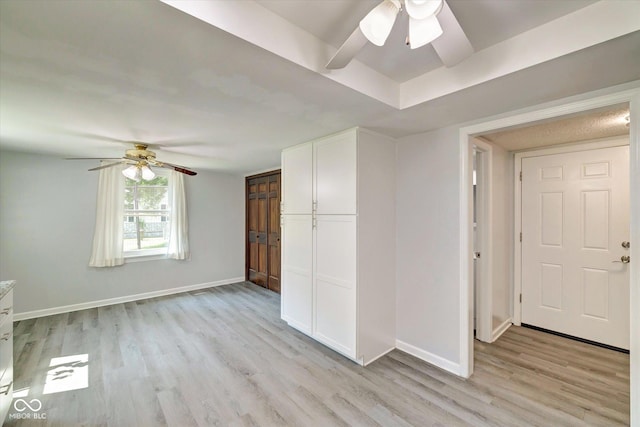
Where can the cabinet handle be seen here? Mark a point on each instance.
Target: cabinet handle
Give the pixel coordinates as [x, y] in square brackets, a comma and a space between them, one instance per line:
[6, 336]
[6, 388]
[6, 311]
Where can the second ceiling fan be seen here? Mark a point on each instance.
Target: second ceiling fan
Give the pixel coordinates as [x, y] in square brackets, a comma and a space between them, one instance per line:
[430, 21]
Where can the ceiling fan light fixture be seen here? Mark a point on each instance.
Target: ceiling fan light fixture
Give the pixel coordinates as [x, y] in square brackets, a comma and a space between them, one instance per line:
[133, 172]
[421, 9]
[147, 173]
[423, 31]
[377, 25]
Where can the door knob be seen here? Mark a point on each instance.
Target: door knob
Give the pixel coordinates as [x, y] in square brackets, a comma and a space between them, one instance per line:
[625, 259]
[626, 245]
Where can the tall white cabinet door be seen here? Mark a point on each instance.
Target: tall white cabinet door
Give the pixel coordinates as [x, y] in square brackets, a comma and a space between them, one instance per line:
[335, 172]
[297, 271]
[297, 177]
[335, 282]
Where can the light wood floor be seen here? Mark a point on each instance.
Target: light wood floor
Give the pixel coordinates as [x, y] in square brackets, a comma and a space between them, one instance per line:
[222, 356]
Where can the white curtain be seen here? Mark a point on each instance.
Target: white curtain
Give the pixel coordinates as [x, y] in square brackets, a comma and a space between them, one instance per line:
[108, 234]
[178, 228]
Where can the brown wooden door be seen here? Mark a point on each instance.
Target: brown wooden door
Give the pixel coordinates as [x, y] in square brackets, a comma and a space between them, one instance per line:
[273, 231]
[263, 230]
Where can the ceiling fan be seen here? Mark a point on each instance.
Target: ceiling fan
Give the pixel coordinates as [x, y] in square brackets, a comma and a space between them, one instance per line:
[430, 21]
[140, 160]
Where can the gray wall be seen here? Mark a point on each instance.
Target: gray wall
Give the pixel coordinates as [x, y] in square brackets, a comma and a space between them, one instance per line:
[47, 215]
[428, 243]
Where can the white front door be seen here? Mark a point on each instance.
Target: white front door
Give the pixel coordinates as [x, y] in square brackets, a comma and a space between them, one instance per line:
[575, 218]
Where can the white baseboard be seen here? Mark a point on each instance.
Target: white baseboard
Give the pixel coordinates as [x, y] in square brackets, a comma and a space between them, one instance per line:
[428, 357]
[500, 329]
[118, 300]
[384, 353]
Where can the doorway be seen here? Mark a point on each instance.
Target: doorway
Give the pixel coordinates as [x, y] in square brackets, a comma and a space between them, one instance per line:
[612, 97]
[262, 255]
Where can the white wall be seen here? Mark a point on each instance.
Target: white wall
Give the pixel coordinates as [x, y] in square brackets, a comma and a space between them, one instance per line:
[47, 215]
[428, 246]
[502, 236]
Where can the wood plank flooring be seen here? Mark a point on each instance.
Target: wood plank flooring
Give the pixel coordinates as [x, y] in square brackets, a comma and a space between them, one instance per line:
[222, 356]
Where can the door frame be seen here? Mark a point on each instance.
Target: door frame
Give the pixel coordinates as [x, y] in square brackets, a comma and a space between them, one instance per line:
[517, 206]
[484, 296]
[630, 93]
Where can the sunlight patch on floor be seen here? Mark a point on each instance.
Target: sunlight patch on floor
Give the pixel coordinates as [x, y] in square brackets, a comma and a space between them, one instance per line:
[67, 373]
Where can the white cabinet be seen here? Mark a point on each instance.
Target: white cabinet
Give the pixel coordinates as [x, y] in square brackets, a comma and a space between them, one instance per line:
[297, 271]
[338, 257]
[297, 177]
[335, 175]
[335, 282]
[6, 347]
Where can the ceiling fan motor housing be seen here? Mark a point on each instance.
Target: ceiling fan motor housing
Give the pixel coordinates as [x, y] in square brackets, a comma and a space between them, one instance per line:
[141, 152]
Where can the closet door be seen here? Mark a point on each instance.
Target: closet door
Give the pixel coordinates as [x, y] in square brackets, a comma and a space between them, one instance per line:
[263, 230]
[335, 174]
[297, 270]
[273, 232]
[335, 282]
[257, 211]
[297, 175]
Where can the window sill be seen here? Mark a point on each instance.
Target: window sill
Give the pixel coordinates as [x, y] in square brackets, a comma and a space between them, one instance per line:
[145, 255]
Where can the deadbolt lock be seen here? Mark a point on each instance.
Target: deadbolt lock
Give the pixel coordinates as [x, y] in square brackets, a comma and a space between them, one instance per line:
[626, 245]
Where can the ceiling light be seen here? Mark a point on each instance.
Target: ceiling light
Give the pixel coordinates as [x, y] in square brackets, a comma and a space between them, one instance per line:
[376, 26]
[423, 31]
[133, 172]
[147, 173]
[421, 9]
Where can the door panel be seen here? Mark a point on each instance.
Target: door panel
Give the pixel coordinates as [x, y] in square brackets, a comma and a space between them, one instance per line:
[274, 233]
[575, 216]
[263, 230]
[297, 271]
[335, 171]
[335, 286]
[257, 232]
[297, 165]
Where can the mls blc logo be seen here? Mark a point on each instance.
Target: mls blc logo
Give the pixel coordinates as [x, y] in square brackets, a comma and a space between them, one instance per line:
[33, 405]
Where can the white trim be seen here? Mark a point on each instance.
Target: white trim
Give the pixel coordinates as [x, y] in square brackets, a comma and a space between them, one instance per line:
[634, 273]
[428, 357]
[601, 98]
[501, 329]
[484, 219]
[517, 200]
[465, 357]
[118, 300]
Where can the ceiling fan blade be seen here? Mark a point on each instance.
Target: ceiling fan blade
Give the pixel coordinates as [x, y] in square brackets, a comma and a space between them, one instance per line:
[107, 166]
[348, 50]
[92, 158]
[175, 168]
[452, 46]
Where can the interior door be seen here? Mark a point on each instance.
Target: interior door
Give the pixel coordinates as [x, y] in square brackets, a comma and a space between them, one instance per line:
[257, 212]
[575, 218]
[273, 232]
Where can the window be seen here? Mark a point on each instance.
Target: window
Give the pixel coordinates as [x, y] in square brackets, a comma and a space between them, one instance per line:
[146, 216]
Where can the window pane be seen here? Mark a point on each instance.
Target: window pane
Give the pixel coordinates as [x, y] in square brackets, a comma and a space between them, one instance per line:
[146, 232]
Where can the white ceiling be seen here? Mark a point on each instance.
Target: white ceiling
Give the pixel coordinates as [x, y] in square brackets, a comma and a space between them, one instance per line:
[609, 122]
[79, 78]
